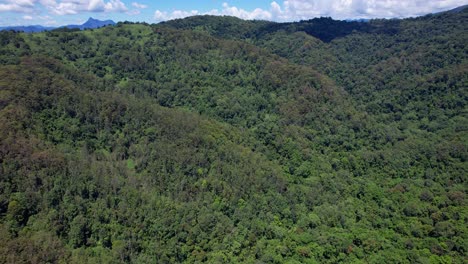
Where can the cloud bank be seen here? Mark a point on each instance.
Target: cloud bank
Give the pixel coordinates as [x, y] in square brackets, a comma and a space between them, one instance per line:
[227, 10]
[293, 10]
[25, 6]
[139, 6]
[64, 7]
[289, 10]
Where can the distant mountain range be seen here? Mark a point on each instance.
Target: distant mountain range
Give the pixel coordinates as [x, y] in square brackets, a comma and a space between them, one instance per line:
[28, 29]
[91, 23]
[95, 23]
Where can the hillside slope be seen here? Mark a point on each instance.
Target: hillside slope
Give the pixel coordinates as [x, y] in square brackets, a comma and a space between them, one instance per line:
[212, 139]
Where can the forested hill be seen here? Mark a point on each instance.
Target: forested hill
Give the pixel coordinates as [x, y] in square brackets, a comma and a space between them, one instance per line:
[219, 140]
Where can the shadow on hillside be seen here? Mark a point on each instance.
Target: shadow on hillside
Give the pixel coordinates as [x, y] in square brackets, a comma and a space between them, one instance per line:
[327, 29]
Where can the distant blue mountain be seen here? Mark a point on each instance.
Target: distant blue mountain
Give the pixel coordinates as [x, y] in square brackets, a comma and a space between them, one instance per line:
[27, 29]
[90, 24]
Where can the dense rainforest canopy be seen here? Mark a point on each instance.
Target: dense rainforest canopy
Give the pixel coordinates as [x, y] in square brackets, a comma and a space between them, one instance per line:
[219, 140]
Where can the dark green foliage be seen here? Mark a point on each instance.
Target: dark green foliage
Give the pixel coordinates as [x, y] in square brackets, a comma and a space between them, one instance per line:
[212, 139]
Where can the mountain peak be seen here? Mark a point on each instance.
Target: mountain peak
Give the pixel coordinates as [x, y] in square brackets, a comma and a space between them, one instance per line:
[96, 23]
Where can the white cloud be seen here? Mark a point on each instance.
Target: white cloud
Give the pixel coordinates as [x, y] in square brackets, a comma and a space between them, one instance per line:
[139, 6]
[66, 7]
[10, 7]
[21, 6]
[96, 6]
[293, 10]
[284, 10]
[257, 13]
[63, 7]
[227, 10]
[115, 6]
[344, 9]
[137, 9]
[27, 17]
[23, 2]
[162, 15]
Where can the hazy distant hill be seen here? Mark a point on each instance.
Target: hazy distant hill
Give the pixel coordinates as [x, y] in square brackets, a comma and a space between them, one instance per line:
[28, 29]
[90, 24]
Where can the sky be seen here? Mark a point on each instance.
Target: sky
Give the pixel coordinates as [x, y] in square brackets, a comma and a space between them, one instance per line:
[64, 12]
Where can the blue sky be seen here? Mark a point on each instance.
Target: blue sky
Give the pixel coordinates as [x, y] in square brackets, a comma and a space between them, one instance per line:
[62, 12]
